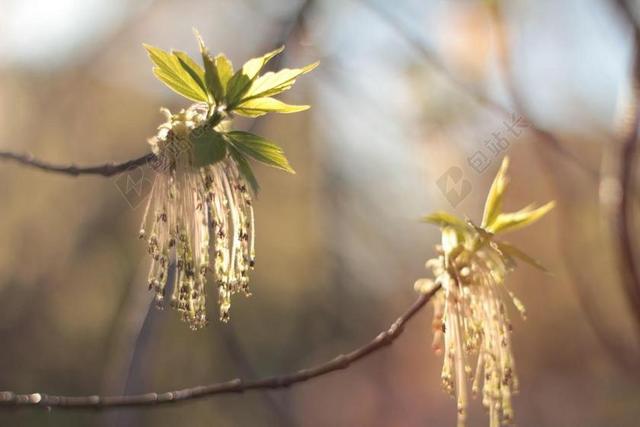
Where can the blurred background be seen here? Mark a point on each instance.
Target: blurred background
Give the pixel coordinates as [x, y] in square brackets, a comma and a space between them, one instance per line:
[413, 106]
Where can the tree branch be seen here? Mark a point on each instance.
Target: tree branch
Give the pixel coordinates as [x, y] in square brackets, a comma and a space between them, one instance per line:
[622, 221]
[342, 361]
[106, 170]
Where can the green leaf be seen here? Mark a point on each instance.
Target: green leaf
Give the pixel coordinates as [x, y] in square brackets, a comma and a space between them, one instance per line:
[259, 149]
[171, 72]
[519, 219]
[225, 70]
[190, 66]
[214, 86]
[245, 168]
[514, 252]
[260, 106]
[208, 145]
[273, 83]
[494, 198]
[252, 67]
[212, 81]
[241, 81]
[445, 219]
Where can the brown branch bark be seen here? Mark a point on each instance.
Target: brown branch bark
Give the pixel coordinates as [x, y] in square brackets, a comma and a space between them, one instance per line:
[340, 362]
[622, 216]
[106, 170]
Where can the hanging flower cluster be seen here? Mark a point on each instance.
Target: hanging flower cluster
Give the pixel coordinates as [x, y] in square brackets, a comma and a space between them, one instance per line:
[199, 213]
[470, 313]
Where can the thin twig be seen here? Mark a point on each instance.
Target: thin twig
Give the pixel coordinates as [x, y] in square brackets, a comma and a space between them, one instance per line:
[343, 361]
[106, 170]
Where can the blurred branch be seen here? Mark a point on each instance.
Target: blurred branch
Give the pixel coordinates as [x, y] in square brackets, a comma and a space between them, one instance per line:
[432, 58]
[106, 170]
[629, 135]
[614, 347]
[242, 362]
[123, 334]
[619, 351]
[292, 26]
[136, 376]
[340, 362]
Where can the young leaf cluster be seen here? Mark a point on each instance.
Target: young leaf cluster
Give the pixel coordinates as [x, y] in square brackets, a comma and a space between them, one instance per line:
[245, 92]
[494, 221]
